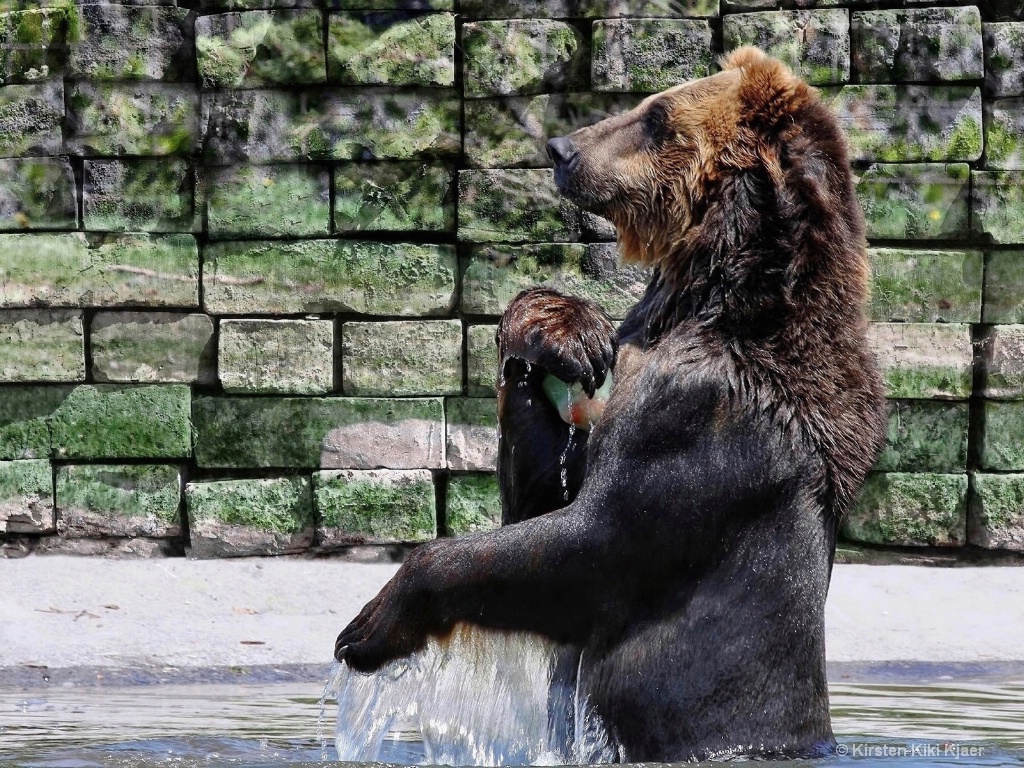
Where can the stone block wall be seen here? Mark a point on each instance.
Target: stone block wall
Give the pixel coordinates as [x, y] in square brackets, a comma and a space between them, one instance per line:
[252, 253]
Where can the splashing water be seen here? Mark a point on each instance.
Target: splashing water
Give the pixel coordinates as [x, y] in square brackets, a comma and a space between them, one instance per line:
[479, 697]
[564, 471]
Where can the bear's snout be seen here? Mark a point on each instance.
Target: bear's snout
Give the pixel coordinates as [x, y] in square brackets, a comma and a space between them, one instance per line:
[565, 155]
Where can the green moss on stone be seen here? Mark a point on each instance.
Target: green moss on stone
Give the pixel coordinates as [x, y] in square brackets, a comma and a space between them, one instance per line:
[394, 196]
[392, 49]
[814, 43]
[46, 345]
[30, 119]
[109, 41]
[997, 512]
[26, 497]
[1002, 447]
[474, 504]
[904, 509]
[514, 206]
[280, 505]
[926, 286]
[649, 55]
[521, 56]
[414, 357]
[31, 43]
[374, 506]
[24, 413]
[925, 436]
[152, 195]
[924, 360]
[277, 356]
[120, 491]
[269, 201]
[915, 202]
[998, 211]
[153, 347]
[1004, 287]
[37, 193]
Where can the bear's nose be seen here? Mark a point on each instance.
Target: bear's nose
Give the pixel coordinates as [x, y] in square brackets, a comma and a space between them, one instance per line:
[562, 151]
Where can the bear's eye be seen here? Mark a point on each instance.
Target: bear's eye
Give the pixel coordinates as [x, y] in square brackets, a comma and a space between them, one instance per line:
[656, 124]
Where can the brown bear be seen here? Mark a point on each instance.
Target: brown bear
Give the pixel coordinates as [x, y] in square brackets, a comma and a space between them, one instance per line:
[684, 547]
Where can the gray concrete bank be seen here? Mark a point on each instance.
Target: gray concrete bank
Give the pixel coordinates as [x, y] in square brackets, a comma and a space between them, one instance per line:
[65, 619]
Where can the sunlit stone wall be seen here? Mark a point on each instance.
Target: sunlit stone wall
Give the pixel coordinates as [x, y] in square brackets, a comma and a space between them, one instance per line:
[253, 253]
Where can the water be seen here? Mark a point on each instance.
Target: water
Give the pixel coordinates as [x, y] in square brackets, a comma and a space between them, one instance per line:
[919, 724]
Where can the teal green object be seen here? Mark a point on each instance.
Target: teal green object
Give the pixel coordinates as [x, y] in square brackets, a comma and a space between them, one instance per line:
[572, 402]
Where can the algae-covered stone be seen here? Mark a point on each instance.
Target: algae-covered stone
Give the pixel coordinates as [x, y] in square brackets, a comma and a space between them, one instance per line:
[108, 421]
[392, 5]
[375, 506]
[996, 514]
[815, 44]
[1004, 64]
[1004, 288]
[590, 9]
[337, 432]
[255, 48]
[1003, 356]
[120, 42]
[32, 43]
[998, 205]
[472, 433]
[493, 275]
[910, 510]
[118, 500]
[522, 56]
[237, 518]
[270, 277]
[473, 504]
[917, 45]
[394, 196]
[26, 497]
[38, 193]
[404, 357]
[926, 286]
[1002, 447]
[73, 270]
[153, 347]
[894, 123]
[925, 436]
[514, 206]
[648, 55]
[391, 49]
[924, 360]
[132, 119]
[24, 412]
[141, 194]
[1004, 134]
[269, 200]
[277, 356]
[30, 119]
[41, 345]
[915, 202]
[481, 361]
[513, 131]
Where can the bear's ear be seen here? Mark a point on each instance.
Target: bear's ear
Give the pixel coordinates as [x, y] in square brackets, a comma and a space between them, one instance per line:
[768, 90]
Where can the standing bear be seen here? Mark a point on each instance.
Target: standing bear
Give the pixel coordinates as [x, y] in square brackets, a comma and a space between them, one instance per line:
[684, 546]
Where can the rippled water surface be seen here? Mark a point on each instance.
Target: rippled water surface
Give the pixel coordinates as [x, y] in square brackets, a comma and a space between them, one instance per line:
[946, 722]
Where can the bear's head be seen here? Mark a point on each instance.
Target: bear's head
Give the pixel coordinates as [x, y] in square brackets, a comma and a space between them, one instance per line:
[736, 185]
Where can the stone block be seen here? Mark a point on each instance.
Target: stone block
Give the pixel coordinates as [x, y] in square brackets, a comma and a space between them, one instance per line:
[924, 360]
[926, 286]
[998, 206]
[107, 421]
[1004, 134]
[75, 270]
[492, 275]
[1004, 287]
[37, 193]
[894, 123]
[256, 48]
[277, 356]
[1003, 357]
[910, 510]
[394, 197]
[26, 497]
[522, 56]
[1002, 448]
[269, 201]
[1004, 65]
[1001, 10]
[915, 202]
[329, 276]
[132, 119]
[472, 433]
[513, 131]
[474, 504]
[32, 43]
[41, 345]
[153, 347]
[375, 506]
[917, 45]
[392, 5]
[141, 194]
[24, 416]
[925, 436]
[515, 205]
[996, 515]
[815, 44]
[401, 358]
[118, 500]
[121, 42]
[589, 9]
[391, 49]
[481, 361]
[239, 518]
[332, 433]
[30, 119]
[649, 55]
